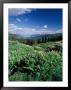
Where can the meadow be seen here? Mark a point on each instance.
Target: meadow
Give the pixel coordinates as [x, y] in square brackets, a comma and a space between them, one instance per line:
[35, 50]
[37, 62]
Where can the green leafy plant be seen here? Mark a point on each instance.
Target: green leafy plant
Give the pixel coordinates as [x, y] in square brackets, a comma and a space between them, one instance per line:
[33, 63]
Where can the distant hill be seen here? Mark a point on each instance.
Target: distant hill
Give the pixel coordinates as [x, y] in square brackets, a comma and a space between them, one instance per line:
[36, 37]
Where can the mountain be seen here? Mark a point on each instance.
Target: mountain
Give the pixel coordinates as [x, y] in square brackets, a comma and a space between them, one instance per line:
[37, 36]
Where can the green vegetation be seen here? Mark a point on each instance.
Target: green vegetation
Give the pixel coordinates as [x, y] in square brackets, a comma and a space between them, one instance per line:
[39, 62]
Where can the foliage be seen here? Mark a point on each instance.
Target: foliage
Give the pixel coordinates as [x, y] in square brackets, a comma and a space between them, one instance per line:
[34, 63]
[36, 39]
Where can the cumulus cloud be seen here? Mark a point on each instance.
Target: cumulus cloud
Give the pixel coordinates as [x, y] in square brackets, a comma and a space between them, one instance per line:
[45, 26]
[18, 11]
[30, 31]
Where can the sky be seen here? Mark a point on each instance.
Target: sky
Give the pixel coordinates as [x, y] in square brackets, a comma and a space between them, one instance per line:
[27, 21]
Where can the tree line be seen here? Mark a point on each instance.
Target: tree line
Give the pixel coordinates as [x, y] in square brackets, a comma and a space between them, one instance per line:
[33, 41]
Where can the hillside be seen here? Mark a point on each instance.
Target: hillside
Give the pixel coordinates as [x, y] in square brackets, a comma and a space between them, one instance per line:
[40, 62]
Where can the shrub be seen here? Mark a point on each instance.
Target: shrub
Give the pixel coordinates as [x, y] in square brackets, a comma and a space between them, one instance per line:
[29, 64]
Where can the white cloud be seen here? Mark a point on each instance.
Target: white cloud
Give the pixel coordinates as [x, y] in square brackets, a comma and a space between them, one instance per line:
[59, 31]
[14, 29]
[33, 29]
[45, 26]
[30, 31]
[18, 11]
[19, 20]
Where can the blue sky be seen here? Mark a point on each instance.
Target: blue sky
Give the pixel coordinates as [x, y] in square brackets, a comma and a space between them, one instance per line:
[35, 21]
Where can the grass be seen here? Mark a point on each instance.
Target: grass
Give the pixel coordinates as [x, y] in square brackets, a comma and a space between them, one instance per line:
[40, 62]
